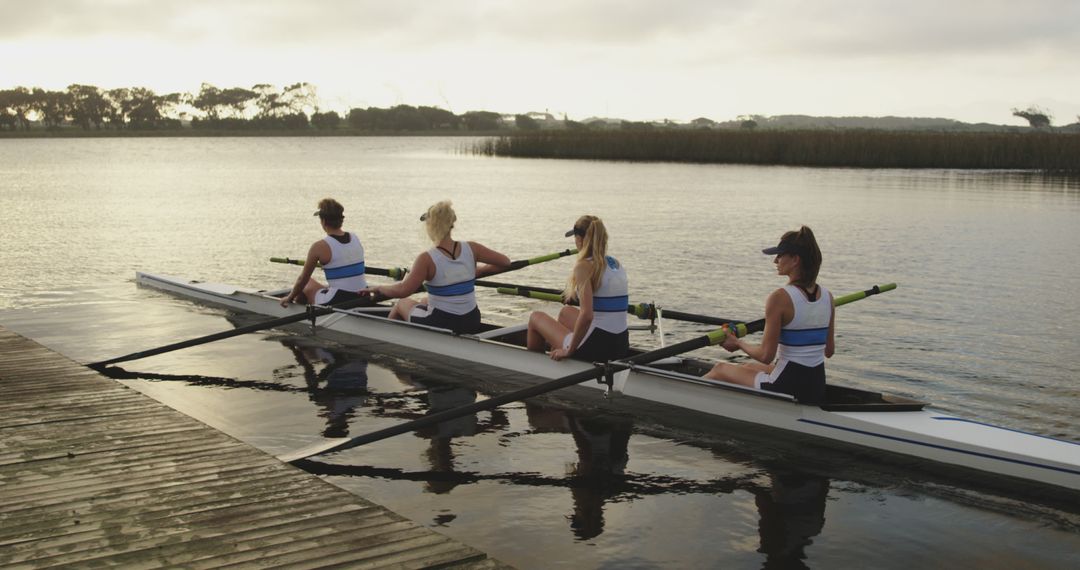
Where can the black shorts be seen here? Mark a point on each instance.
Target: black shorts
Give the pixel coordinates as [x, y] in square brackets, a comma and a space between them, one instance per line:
[805, 383]
[462, 324]
[602, 346]
[341, 296]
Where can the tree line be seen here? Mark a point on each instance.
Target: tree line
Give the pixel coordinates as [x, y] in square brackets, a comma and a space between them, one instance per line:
[262, 107]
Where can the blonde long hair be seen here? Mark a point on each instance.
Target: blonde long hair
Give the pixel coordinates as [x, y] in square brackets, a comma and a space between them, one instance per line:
[594, 245]
[439, 220]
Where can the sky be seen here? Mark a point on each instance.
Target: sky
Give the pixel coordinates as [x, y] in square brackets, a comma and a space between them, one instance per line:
[969, 60]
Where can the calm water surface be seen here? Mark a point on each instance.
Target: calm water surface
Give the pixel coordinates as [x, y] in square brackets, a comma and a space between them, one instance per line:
[982, 325]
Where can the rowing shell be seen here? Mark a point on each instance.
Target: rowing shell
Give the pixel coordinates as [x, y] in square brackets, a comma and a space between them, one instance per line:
[850, 416]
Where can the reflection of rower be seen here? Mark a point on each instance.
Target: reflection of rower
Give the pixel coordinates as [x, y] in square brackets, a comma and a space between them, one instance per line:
[792, 513]
[440, 453]
[345, 384]
[602, 457]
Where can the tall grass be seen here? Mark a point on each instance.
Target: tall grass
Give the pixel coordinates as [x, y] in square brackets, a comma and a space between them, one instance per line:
[1056, 152]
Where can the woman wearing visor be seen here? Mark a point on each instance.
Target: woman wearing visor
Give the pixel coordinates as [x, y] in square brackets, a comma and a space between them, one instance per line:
[342, 257]
[596, 330]
[448, 271]
[799, 328]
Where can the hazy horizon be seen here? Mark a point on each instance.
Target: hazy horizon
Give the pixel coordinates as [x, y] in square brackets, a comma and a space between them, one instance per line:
[972, 61]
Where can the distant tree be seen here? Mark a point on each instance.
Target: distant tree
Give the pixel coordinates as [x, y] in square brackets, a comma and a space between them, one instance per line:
[748, 122]
[300, 98]
[1036, 117]
[17, 104]
[224, 103]
[142, 109]
[268, 99]
[326, 121]
[574, 125]
[703, 123]
[481, 121]
[169, 106]
[526, 123]
[437, 119]
[113, 113]
[636, 126]
[54, 107]
[88, 106]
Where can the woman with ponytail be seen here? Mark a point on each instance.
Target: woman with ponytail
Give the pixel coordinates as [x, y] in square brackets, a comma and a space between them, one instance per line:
[799, 328]
[596, 330]
[449, 271]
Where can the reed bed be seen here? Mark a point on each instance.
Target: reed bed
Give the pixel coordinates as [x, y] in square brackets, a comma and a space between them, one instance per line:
[1051, 152]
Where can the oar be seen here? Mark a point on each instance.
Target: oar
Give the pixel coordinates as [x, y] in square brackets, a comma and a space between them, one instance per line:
[640, 310]
[742, 329]
[312, 312]
[393, 272]
[714, 337]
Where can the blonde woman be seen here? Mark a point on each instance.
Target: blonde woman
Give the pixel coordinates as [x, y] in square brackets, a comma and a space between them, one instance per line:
[596, 330]
[799, 330]
[449, 271]
[342, 257]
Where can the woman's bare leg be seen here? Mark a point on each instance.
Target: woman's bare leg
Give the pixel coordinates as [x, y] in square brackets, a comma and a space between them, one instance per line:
[402, 309]
[544, 331]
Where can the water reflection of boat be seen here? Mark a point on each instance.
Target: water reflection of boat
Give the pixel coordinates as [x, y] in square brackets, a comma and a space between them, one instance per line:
[675, 388]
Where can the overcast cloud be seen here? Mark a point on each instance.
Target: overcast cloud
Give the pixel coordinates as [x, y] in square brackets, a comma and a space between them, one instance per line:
[964, 59]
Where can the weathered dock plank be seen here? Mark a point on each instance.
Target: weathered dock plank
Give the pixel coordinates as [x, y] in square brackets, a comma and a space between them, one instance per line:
[94, 474]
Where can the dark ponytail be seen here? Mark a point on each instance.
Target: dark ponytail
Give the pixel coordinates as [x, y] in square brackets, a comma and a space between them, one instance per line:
[809, 256]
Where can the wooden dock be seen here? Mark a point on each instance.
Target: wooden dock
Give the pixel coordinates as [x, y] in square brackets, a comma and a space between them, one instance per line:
[93, 473]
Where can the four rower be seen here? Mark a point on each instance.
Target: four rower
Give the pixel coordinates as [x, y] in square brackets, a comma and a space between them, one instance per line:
[597, 329]
[449, 271]
[342, 257]
[799, 327]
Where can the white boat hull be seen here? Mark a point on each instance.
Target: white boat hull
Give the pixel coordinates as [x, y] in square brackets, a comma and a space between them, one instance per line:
[920, 433]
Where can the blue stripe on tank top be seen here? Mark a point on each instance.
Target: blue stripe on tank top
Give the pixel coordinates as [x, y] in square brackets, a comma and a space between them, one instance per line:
[344, 271]
[803, 337]
[462, 288]
[611, 304]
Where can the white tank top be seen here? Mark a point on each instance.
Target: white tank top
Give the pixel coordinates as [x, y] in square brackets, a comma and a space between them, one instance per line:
[611, 299]
[346, 268]
[453, 289]
[803, 339]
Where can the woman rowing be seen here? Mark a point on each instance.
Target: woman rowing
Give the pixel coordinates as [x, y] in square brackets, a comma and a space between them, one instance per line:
[342, 257]
[448, 271]
[799, 328]
[597, 331]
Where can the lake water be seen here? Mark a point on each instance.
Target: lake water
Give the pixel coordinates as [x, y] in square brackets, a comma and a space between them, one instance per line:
[982, 325]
